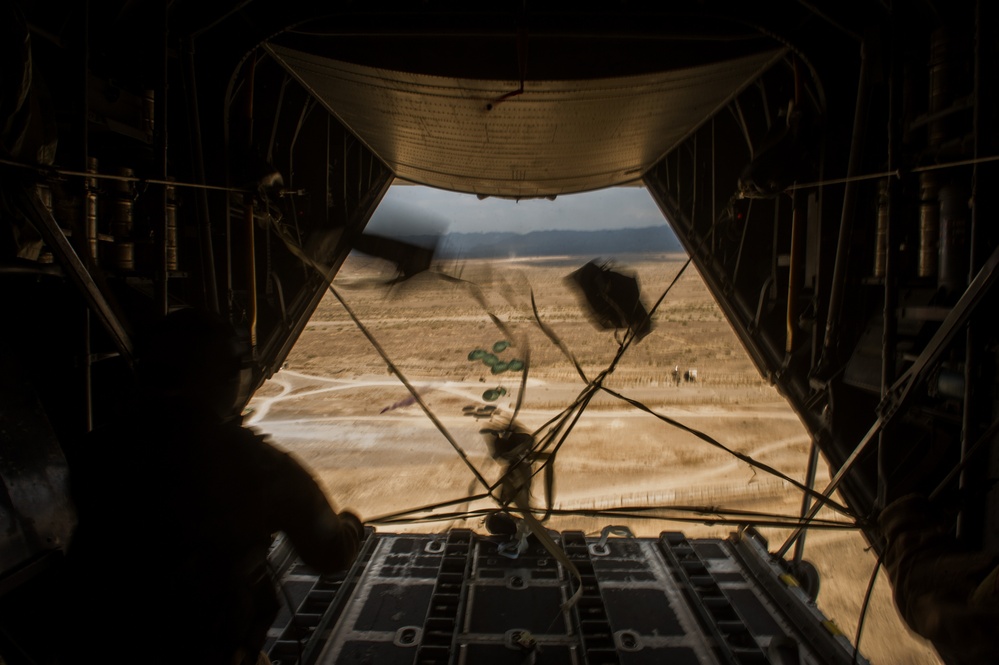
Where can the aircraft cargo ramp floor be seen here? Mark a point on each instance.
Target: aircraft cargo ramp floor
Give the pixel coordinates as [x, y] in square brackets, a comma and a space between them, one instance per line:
[455, 598]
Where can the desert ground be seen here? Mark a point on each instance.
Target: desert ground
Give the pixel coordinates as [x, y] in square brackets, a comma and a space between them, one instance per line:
[338, 408]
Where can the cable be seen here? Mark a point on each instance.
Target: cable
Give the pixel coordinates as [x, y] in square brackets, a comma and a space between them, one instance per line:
[742, 456]
[708, 515]
[583, 400]
[563, 424]
[897, 173]
[49, 171]
[432, 506]
[863, 610]
[713, 510]
[559, 344]
[412, 391]
[586, 395]
[986, 436]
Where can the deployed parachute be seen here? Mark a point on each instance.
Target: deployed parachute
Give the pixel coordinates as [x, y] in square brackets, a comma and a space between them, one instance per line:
[409, 259]
[613, 300]
[493, 394]
[492, 361]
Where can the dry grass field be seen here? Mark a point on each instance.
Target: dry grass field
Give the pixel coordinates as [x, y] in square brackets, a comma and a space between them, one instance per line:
[332, 406]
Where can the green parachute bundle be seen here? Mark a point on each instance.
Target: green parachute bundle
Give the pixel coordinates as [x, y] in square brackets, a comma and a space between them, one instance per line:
[494, 394]
[492, 361]
[496, 366]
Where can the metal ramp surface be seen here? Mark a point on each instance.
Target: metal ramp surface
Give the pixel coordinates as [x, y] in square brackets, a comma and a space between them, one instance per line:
[454, 599]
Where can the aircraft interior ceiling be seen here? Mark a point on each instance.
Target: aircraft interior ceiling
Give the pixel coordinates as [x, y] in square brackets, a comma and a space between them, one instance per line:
[829, 167]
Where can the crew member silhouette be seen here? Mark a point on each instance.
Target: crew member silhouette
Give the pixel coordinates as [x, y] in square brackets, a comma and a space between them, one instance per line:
[177, 505]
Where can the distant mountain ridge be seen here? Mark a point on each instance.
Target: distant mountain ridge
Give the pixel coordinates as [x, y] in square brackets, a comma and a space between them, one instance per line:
[656, 239]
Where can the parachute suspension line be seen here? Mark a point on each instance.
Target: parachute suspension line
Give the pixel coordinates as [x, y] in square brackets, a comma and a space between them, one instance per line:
[597, 384]
[822, 498]
[578, 406]
[295, 248]
[541, 445]
[742, 456]
[547, 440]
[412, 391]
[718, 515]
[518, 493]
[719, 511]
[522, 503]
[523, 381]
[587, 394]
[480, 298]
[710, 515]
[396, 517]
[633, 331]
[580, 402]
[556, 340]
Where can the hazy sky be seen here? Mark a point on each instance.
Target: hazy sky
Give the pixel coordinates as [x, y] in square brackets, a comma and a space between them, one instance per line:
[423, 209]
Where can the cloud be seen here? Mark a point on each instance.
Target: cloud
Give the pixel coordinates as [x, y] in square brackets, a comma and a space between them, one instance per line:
[410, 209]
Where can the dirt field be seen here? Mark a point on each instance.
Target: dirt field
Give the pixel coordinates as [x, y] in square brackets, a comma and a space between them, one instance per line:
[336, 406]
